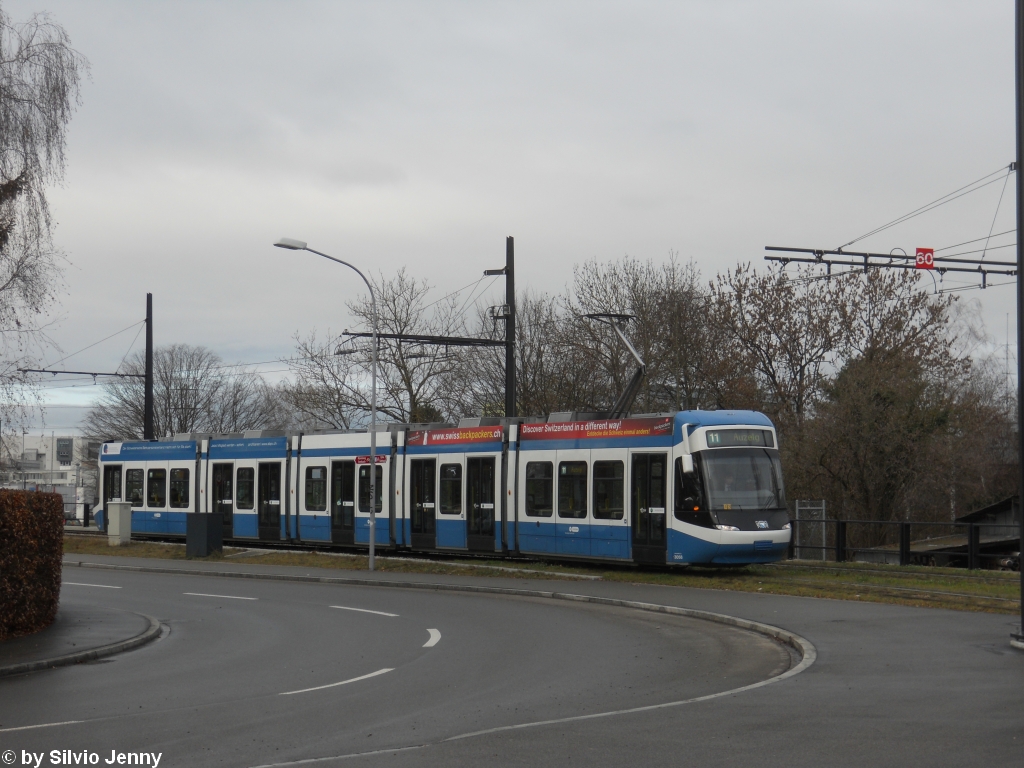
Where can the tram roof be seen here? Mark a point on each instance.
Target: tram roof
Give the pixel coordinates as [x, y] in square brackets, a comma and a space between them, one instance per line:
[182, 445]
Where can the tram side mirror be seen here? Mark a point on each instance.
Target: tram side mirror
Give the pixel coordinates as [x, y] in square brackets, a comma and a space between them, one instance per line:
[688, 463]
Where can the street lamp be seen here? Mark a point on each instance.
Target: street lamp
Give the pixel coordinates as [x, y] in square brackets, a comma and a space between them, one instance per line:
[299, 245]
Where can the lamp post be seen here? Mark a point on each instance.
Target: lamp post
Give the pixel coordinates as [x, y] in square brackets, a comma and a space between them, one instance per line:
[299, 245]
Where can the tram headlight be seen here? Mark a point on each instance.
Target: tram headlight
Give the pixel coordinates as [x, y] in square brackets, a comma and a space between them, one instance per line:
[727, 527]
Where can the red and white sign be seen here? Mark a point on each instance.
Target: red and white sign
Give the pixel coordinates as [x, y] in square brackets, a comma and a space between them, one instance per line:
[925, 258]
[581, 430]
[381, 459]
[456, 436]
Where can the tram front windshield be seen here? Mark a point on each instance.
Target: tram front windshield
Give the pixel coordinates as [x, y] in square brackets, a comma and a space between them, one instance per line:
[743, 479]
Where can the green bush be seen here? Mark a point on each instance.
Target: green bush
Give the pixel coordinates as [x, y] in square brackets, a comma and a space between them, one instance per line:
[31, 550]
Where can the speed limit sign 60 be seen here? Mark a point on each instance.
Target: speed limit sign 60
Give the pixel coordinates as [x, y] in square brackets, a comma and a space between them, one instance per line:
[925, 258]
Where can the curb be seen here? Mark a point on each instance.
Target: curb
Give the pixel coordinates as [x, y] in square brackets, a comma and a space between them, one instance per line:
[147, 635]
[808, 653]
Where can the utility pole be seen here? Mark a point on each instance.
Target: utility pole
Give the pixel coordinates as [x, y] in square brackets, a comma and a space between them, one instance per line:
[510, 328]
[1019, 72]
[508, 314]
[147, 430]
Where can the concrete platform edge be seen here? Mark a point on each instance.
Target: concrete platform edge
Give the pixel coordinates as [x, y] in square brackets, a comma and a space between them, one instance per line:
[147, 635]
[808, 653]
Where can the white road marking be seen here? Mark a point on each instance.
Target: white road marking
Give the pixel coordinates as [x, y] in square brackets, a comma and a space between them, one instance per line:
[41, 725]
[434, 637]
[226, 597]
[363, 610]
[343, 682]
[79, 584]
[808, 660]
[558, 721]
[342, 757]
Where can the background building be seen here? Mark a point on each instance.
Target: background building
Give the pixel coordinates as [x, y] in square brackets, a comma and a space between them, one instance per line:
[64, 464]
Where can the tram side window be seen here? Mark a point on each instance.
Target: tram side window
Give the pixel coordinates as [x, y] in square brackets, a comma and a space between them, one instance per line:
[451, 489]
[245, 485]
[572, 489]
[316, 489]
[689, 506]
[179, 488]
[156, 488]
[133, 490]
[609, 490]
[539, 489]
[364, 488]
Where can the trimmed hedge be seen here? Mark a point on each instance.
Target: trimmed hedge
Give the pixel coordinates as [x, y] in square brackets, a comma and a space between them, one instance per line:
[31, 550]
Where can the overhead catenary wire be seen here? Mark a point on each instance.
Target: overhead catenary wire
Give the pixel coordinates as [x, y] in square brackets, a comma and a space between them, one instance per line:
[285, 360]
[469, 298]
[976, 240]
[137, 334]
[976, 250]
[967, 189]
[473, 301]
[453, 293]
[1006, 178]
[67, 357]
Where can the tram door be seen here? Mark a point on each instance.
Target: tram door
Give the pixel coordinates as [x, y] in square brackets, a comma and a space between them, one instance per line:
[648, 507]
[112, 483]
[480, 504]
[223, 496]
[422, 501]
[269, 500]
[343, 502]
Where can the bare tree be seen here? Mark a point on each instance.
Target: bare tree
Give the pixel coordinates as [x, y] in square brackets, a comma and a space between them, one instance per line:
[39, 89]
[787, 331]
[415, 381]
[193, 391]
[551, 370]
[246, 401]
[692, 361]
[322, 394]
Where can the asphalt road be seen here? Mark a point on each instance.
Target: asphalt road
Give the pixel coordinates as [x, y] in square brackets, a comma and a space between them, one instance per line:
[230, 682]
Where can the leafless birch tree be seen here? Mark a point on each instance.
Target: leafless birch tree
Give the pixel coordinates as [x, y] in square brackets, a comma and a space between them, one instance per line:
[40, 74]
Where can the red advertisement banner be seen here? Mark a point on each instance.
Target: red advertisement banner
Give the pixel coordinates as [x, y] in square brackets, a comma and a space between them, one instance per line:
[456, 436]
[580, 430]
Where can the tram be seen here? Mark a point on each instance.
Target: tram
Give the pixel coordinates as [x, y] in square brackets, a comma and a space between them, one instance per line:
[691, 487]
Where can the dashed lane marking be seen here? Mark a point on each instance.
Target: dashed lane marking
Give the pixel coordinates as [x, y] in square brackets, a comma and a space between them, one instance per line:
[343, 682]
[434, 637]
[309, 760]
[79, 584]
[225, 597]
[41, 725]
[363, 610]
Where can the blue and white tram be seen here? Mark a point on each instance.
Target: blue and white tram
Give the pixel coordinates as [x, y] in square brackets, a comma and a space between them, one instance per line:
[691, 487]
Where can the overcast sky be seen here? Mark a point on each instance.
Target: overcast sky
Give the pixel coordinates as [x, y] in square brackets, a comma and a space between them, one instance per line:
[420, 134]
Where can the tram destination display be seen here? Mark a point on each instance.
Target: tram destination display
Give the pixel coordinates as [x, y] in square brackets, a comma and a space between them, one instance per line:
[740, 438]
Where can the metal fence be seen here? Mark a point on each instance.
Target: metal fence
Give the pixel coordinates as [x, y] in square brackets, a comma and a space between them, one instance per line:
[78, 513]
[964, 545]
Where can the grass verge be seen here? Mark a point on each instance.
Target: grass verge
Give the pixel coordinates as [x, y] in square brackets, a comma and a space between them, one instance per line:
[950, 588]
